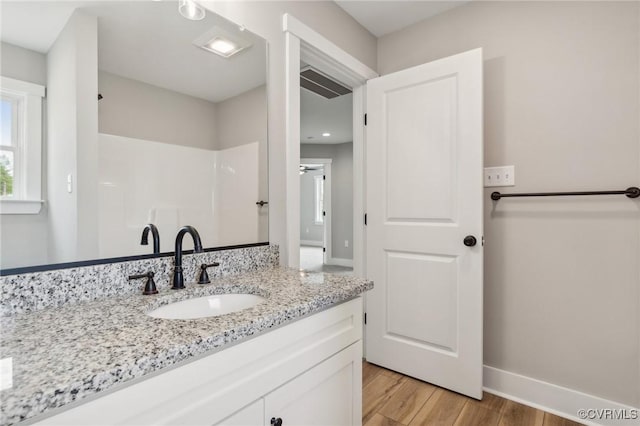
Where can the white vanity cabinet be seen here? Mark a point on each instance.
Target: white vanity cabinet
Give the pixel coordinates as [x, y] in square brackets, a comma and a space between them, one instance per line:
[324, 395]
[253, 414]
[306, 373]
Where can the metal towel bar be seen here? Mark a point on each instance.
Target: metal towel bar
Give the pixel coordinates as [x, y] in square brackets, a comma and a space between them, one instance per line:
[632, 192]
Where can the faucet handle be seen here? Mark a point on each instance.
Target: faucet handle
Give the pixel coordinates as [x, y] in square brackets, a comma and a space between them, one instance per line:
[204, 276]
[150, 286]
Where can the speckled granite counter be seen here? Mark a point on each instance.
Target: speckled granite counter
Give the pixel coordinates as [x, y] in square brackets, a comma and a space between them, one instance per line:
[62, 355]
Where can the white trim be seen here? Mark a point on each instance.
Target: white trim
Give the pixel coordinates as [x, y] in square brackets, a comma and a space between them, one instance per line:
[303, 43]
[22, 87]
[337, 261]
[292, 151]
[328, 213]
[20, 206]
[359, 182]
[340, 60]
[28, 182]
[316, 160]
[552, 398]
[311, 243]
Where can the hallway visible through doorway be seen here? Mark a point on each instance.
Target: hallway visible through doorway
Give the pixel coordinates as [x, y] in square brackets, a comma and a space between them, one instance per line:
[311, 261]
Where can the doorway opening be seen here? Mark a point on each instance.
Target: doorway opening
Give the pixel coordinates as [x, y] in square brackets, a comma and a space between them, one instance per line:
[326, 173]
[316, 218]
[305, 47]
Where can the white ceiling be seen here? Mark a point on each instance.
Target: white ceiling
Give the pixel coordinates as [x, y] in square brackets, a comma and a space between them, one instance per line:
[319, 115]
[145, 41]
[384, 17]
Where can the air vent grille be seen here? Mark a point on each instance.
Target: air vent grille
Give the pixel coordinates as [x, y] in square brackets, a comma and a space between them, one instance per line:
[320, 84]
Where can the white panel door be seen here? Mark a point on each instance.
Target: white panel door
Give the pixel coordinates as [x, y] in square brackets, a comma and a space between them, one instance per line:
[424, 197]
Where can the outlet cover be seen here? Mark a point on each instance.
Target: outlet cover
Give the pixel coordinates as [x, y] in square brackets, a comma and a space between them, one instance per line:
[499, 176]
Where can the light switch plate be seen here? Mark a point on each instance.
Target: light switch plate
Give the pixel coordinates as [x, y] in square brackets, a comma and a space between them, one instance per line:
[499, 176]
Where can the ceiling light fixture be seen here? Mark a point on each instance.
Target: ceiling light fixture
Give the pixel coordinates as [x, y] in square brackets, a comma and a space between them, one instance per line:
[191, 10]
[222, 47]
[222, 42]
[326, 134]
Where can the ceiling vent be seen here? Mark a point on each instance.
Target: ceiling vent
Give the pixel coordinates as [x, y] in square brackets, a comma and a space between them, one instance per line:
[311, 79]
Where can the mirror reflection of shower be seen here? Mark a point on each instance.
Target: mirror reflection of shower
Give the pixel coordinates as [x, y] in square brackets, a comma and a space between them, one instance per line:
[165, 142]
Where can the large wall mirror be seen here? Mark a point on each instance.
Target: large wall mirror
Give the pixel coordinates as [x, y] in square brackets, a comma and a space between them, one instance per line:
[147, 117]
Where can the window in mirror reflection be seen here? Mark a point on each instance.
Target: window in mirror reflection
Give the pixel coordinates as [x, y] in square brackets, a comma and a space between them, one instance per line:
[9, 143]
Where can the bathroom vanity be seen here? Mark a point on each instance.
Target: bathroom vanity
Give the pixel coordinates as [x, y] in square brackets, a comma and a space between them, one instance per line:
[294, 358]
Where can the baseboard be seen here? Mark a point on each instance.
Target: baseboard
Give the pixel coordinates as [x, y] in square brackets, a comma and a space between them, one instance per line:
[311, 243]
[555, 399]
[336, 261]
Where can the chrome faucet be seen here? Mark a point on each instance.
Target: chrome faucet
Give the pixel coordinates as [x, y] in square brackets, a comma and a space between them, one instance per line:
[178, 278]
[156, 237]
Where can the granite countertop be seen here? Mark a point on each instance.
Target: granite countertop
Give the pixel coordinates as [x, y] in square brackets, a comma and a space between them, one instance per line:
[62, 355]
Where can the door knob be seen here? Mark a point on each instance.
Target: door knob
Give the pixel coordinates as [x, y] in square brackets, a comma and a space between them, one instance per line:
[276, 422]
[470, 241]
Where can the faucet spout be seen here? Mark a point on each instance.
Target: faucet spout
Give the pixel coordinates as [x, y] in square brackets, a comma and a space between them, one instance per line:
[156, 237]
[178, 277]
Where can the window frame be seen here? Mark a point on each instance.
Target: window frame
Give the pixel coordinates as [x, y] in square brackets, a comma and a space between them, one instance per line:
[318, 199]
[17, 138]
[27, 184]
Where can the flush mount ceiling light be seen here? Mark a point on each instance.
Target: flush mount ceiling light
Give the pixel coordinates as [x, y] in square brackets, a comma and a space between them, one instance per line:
[326, 134]
[222, 47]
[191, 10]
[222, 42]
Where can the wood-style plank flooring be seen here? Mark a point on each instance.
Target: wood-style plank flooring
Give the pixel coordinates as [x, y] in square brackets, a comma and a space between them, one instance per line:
[391, 399]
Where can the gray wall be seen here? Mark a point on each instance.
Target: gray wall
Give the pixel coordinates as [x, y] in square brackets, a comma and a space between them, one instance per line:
[341, 193]
[309, 231]
[562, 105]
[23, 64]
[241, 120]
[18, 232]
[72, 134]
[139, 110]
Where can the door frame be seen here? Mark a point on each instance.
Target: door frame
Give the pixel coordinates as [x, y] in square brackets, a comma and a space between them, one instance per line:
[326, 231]
[303, 43]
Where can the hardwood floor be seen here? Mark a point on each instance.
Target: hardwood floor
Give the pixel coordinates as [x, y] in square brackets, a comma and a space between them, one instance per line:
[391, 399]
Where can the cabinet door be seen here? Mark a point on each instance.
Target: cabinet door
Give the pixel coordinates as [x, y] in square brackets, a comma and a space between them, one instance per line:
[251, 415]
[328, 394]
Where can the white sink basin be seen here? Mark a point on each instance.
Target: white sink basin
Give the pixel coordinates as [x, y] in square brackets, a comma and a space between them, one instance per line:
[207, 306]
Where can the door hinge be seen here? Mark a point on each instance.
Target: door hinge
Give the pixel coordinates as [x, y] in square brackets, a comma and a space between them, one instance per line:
[483, 240]
[324, 177]
[365, 119]
[324, 213]
[365, 219]
[365, 318]
[324, 249]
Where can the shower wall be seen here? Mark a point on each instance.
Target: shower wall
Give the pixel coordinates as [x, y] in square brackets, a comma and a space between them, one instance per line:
[143, 181]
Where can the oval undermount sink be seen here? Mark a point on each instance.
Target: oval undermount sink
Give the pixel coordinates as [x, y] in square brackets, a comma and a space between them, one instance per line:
[207, 306]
